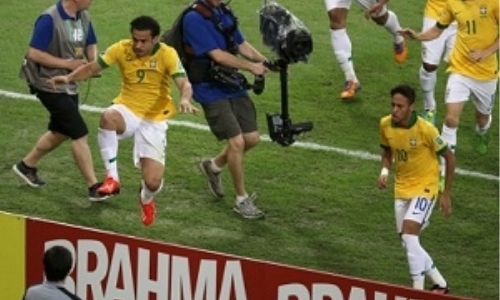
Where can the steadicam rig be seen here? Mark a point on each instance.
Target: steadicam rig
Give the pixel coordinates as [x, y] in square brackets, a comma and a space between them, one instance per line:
[290, 40]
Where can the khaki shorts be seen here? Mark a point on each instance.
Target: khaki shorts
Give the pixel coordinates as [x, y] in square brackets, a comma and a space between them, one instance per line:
[228, 118]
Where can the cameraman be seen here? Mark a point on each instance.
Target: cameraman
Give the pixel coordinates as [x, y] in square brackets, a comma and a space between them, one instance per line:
[228, 109]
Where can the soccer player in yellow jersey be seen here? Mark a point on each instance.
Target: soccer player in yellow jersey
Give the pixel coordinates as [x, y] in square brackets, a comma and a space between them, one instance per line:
[413, 145]
[473, 64]
[432, 53]
[141, 109]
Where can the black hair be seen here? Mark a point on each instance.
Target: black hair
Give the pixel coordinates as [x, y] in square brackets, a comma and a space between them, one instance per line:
[57, 262]
[407, 91]
[145, 23]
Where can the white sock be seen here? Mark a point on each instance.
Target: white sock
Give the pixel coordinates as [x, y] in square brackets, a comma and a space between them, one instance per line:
[428, 84]
[108, 143]
[392, 25]
[416, 259]
[449, 135]
[147, 195]
[214, 167]
[240, 199]
[432, 272]
[342, 48]
[484, 130]
[436, 277]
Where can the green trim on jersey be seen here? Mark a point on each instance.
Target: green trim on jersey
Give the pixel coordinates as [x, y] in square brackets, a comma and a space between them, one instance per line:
[156, 47]
[102, 63]
[179, 75]
[441, 26]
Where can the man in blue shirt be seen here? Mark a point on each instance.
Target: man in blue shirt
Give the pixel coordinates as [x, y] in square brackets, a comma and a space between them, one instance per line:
[215, 40]
[63, 40]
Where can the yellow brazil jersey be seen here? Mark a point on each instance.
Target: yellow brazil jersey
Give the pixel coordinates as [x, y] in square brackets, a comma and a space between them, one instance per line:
[433, 8]
[477, 29]
[146, 81]
[415, 153]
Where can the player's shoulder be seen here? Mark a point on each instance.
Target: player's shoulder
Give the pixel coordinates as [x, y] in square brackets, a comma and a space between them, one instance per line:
[454, 3]
[386, 121]
[122, 46]
[166, 51]
[163, 47]
[426, 126]
[125, 43]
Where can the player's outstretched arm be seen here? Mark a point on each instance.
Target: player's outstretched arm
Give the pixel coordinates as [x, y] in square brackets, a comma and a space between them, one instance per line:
[428, 35]
[186, 92]
[81, 73]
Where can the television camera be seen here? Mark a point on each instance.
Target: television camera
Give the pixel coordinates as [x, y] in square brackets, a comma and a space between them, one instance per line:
[290, 40]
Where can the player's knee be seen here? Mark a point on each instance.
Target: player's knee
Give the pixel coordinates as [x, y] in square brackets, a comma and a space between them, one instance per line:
[153, 184]
[109, 119]
[451, 120]
[483, 120]
[381, 20]
[429, 67]
[337, 17]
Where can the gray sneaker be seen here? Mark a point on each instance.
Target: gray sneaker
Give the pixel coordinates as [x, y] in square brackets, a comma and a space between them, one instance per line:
[214, 180]
[247, 209]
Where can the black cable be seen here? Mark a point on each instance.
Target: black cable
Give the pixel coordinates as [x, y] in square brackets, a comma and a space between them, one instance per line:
[89, 83]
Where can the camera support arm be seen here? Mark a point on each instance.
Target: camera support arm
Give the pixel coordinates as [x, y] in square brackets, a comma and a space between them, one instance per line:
[281, 128]
[282, 66]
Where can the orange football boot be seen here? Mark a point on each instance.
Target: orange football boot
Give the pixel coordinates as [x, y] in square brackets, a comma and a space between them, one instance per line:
[110, 186]
[350, 89]
[148, 212]
[400, 52]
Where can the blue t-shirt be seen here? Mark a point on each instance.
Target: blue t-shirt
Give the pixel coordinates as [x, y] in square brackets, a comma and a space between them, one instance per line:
[203, 36]
[44, 29]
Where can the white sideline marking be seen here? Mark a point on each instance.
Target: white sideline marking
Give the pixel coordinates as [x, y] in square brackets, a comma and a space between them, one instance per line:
[306, 145]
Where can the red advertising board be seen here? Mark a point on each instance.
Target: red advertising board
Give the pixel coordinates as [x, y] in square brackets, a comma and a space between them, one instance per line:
[111, 266]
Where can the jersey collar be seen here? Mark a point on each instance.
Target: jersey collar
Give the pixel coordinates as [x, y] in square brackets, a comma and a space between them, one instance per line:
[64, 15]
[156, 47]
[413, 120]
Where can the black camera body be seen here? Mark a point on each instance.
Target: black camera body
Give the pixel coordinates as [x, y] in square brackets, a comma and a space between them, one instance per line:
[285, 34]
[283, 131]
